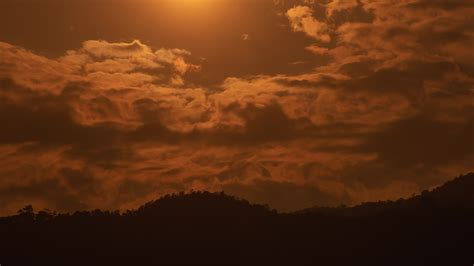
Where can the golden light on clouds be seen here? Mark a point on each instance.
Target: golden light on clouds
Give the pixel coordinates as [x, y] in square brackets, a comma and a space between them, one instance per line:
[316, 102]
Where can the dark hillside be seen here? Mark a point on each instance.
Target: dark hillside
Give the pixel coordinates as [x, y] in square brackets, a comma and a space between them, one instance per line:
[433, 228]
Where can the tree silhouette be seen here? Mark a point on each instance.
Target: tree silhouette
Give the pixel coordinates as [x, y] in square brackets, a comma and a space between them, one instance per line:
[433, 228]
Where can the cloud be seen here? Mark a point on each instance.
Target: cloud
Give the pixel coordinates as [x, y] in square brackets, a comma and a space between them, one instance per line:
[301, 19]
[317, 50]
[245, 37]
[106, 65]
[424, 140]
[338, 5]
[103, 49]
[285, 196]
[384, 110]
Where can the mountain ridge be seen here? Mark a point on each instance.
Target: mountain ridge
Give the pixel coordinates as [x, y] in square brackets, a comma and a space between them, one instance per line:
[458, 192]
[433, 228]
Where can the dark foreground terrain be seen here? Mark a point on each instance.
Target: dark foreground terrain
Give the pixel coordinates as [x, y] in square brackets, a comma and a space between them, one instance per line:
[434, 228]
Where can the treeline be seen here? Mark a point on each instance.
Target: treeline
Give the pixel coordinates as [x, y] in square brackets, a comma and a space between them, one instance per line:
[433, 228]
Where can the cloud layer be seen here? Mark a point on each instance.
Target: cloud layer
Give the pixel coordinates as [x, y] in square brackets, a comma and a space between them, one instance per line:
[387, 110]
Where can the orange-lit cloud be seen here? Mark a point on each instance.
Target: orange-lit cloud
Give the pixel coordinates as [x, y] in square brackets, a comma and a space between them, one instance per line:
[379, 106]
[301, 19]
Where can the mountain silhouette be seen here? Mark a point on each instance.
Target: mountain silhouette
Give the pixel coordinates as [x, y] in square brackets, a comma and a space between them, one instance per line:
[203, 228]
[454, 194]
[202, 204]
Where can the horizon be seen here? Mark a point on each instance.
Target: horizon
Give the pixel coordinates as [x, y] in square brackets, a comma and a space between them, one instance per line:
[219, 195]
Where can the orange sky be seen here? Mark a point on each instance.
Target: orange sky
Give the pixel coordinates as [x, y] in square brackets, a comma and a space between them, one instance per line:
[295, 103]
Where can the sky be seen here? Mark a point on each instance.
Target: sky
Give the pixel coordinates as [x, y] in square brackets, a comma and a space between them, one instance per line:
[292, 103]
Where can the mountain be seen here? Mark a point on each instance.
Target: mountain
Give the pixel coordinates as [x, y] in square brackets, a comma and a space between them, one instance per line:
[454, 194]
[433, 228]
[202, 204]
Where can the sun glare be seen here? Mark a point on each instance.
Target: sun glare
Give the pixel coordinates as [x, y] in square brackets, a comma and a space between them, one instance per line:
[192, 4]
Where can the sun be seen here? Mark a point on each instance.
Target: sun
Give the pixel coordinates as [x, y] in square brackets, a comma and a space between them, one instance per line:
[193, 8]
[192, 3]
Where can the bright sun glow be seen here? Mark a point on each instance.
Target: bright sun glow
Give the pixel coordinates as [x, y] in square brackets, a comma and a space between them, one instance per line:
[192, 6]
[197, 11]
